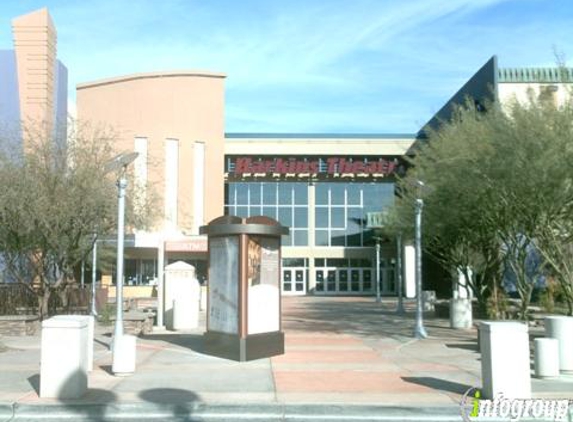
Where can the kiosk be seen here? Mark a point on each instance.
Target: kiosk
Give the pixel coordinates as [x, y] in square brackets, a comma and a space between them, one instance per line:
[244, 297]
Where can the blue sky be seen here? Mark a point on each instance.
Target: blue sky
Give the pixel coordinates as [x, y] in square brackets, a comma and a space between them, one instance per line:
[348, 66]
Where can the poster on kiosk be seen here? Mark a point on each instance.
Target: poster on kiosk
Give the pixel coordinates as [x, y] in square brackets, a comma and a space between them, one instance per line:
[244, 297]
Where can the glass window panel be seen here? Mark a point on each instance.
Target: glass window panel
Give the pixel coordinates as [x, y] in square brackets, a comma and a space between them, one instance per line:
[356, 216]
[242, 193]
[293, 262]
[319, 275]
[255, 191]
[321, 193]
[320, 286]
[269, 193]
[321, 237]
[301, 217]
[300, 193]
[148, 272]
[337, 237]
[321, 216]
[355, 263]
[285, 216]
[299, 275]
[286, 240]
[355, 275]
[130, 271]
[354, 239]
[337, 219]
[319, 262]
[228, 189]
[337, 193]
[285, 193]
[300, 238]
[254, 211]
[270, 212]
[343, 275]
[242, 212]
[331, 281]
[367, 280]
[229, 210]
[287, 287]
[365, 263]
[299, 287]
[353, 193]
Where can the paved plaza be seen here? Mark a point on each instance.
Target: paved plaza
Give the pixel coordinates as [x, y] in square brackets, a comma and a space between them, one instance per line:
[344, 356]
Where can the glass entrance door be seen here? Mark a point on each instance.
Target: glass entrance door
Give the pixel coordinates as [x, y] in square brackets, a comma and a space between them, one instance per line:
[294, 281]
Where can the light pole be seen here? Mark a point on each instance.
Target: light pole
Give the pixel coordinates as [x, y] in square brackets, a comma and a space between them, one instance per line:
[94, 264]
[419, 330]
[378, 270]
[120, 163]
[400, 309]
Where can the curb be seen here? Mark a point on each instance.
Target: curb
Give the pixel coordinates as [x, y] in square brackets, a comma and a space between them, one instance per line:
[201, 412]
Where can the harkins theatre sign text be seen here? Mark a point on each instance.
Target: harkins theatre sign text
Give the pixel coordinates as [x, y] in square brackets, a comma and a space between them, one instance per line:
[330, 166]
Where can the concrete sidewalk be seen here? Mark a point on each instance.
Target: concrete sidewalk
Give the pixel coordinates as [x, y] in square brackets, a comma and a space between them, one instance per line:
[349, 352]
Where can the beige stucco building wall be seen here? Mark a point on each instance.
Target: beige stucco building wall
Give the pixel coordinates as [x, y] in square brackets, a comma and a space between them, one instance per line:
[187, 107]
[35, 47]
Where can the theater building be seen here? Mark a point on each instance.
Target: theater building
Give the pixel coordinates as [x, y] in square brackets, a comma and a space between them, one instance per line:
[322, 186]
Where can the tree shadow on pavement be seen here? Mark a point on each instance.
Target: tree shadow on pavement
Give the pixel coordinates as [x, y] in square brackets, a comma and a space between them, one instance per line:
[439, 384]
[177, 402]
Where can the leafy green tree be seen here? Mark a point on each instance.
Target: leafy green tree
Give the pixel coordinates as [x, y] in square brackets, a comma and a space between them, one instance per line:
[54, 195]
[497, 185]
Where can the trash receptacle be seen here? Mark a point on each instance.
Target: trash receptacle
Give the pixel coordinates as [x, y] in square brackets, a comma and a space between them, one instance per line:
[561, 328]
[64, 354]
[505, 363]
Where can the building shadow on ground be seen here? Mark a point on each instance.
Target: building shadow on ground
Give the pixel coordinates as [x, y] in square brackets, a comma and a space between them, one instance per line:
[191, 341]
[439, 384]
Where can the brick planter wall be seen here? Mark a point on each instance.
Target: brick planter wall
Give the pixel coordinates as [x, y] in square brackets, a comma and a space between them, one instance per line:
[19, 325]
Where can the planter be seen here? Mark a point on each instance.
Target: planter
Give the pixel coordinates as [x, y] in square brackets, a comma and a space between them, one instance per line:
[460, 313]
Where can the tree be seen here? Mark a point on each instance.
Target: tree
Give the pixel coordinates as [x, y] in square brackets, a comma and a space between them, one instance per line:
[54, 196]
[498, 186]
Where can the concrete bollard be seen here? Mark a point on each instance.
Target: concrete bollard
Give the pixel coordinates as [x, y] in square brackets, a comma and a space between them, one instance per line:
[63, 368]
[460, 313]
[561, 329]
[505, 364]
[546, 357]
[124, 355]
[185, 314]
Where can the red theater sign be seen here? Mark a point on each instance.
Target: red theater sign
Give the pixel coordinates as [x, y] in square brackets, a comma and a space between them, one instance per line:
[330, 166]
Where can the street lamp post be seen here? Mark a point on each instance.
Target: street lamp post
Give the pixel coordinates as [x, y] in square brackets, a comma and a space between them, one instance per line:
[378, 299]
[94, 264]
[419, 330]
[121, 185]
[400, 309]
[120, 164]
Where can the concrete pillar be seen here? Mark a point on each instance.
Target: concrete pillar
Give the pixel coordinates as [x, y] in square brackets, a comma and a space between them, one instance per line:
[311, 237]
[124, 355]
[505, 367]
[63, 367]
[561, 328]
[546, 357]
[409, 266]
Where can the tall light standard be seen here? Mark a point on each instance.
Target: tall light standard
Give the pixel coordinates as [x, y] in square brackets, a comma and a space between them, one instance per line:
[120, 163]
[400, 309]
[94, 264]
[419, 330]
